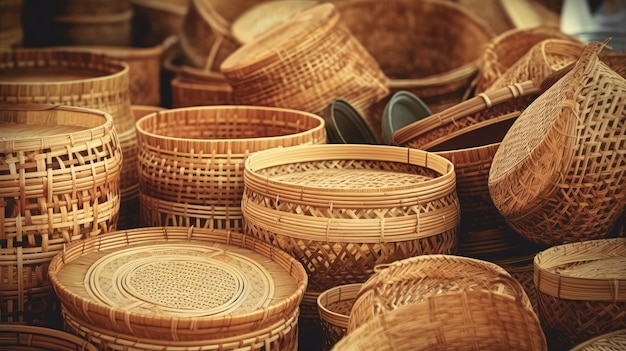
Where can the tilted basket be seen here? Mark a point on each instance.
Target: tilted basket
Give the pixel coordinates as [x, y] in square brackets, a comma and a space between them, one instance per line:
[60, 172]
[334, 308]
[556, 177]
[22, 338]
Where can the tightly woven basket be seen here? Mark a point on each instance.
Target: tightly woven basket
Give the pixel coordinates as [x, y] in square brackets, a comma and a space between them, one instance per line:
[191, 160]
[342, 209]
[22, 338]
[579, 290]
[415, 279]
[506, 48]
[220, 284]
[614, 341]
[305, 63]
[556, 176]
[60, 175]
[334, 309]
[468, 319]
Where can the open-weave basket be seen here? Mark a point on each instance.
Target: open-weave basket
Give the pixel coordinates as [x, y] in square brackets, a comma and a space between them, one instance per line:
[23, 338]
[506, 48]
[177, 283]
[614, 341]
[343, 209]
[305, 63]
[579, 290]
[415, 279]
[59, 182]
[556, 176]
[191, 160]
[334, 309]
[467, 319]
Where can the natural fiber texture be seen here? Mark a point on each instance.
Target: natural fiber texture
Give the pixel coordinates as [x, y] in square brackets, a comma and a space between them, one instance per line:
[580, 290]
[305, 63]
[559, 175]
[220, 284]
[462, 320]
[191, 160]
[415, 279]
[430, 48]
[506, 48]
[188, 92]
[29, 338]
[342, 209]
[59, 182]
[520, 266]
[334, 309]
[614, 341]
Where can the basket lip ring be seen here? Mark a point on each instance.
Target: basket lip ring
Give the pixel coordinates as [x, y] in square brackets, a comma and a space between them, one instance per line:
[325, 311]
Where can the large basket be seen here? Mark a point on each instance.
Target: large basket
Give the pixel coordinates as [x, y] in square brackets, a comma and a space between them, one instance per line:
[578, 290]
[334, 308]
[468, 319]
[614, 341]
[556, 177]
[191, 160]
[59, 182]
[177, 284]
[22, 338]
[305, 63]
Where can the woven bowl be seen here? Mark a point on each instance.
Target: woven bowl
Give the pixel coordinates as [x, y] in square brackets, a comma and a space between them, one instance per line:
[191, 160]
[220, 284]
[613, 341]
[22, 338]
[60, 174]
[334, 308]
[578, 290]
[556, 177]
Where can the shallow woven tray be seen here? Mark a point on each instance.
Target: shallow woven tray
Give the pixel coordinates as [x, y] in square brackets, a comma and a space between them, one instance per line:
[30, 338]
[219, 284]
[579, 290]
[334, 307]
[556, 177]
[614, 341]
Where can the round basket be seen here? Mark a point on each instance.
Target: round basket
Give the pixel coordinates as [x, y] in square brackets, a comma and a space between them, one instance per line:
[305, 63]
[220, 284]
[191, 160]
[614, 341]
[334, 308]
[156, 20]
[506, 48]
[469, 319]
[194, 87]
[30, 338]
[578, 290]
[342, 209]
[556, 177]
[11, 31]
[417, 278]
[430, 48]
[60, 175]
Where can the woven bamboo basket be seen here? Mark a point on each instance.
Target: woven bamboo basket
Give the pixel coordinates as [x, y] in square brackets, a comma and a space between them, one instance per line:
[519, 264]
[506, 48]
[334, 309]
[342, 209]
[23, 338]
[556, 177]
[467, 319]
[430, 48]
[60, 180]
[613, 341]
[191, 160]
[156, 20]
[416, 278]
[195, 87]
[220, 284]
[305, 63]
[11, 31]
[578, 290]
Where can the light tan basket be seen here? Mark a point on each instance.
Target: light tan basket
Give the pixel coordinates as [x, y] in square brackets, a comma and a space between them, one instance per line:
[614, 341]
[415, 279]
[60, 179]
[556, 177]
[342, 209]
[22, 338]
[578, 290]
[156, 20]
[11, 31]
[506, 48]
[220, 285]
[334, 308]
[467, 319]
[305, 63]
[191, 160]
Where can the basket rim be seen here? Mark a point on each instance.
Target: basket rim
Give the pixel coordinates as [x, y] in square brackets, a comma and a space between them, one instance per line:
[352, 290]
[119, 52]
[46, 332]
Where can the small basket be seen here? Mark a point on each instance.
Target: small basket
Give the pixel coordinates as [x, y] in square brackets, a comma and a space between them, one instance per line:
[556, 177]
[22, 337]
[192, 87]
[334, 308]
[578, 290]
[614, 341]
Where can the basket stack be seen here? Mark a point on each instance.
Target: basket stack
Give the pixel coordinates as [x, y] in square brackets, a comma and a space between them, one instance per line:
[334, 307]
[175, 288]
[60, 174]
[191, 160]
[21, 337]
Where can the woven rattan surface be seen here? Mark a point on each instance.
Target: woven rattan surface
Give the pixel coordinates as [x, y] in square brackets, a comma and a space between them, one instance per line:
[613, 341]
[334, 307]
[579, 288]
[177, 283]
[30, 338]
[556, 177]
[200, 93]
[461, 320]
